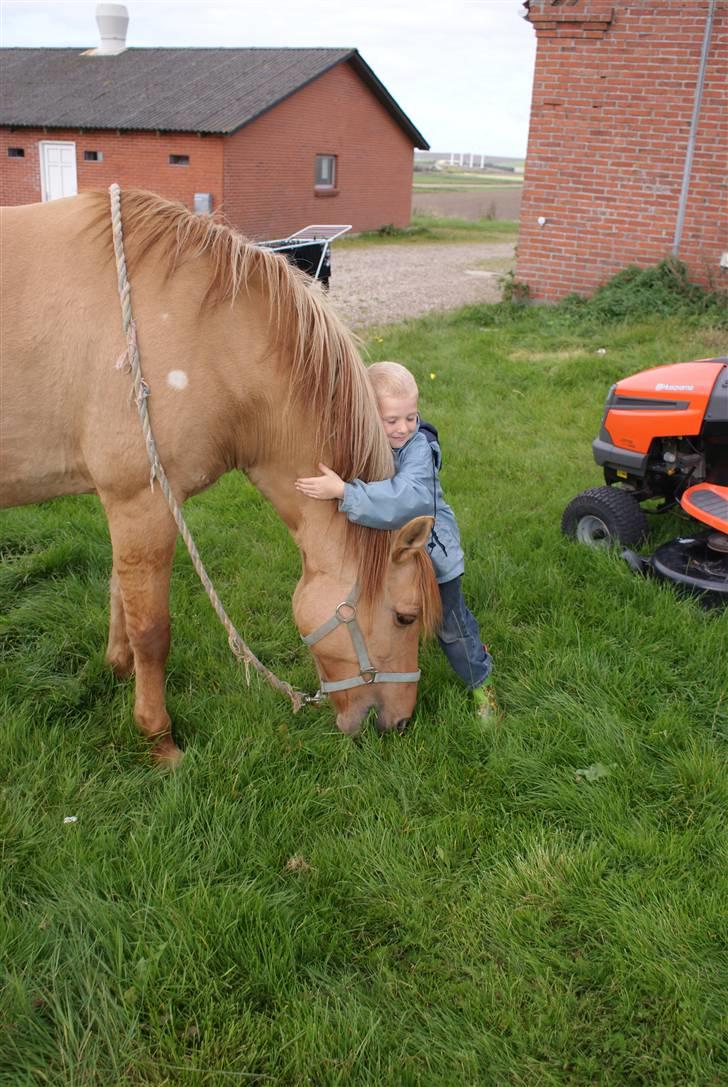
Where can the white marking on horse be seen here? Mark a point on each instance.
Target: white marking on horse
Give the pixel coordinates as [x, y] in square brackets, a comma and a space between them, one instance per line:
[177, 379]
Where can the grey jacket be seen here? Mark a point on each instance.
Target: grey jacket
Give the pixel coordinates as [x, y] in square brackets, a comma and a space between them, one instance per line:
[413, 491]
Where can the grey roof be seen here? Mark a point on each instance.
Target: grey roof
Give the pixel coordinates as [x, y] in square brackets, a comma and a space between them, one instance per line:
[175, 90]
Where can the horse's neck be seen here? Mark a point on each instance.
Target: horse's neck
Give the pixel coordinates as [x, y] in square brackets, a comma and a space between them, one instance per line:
[317, 527]
[273, 461]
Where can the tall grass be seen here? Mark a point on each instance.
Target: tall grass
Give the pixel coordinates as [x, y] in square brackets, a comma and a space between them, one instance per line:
[455, 906]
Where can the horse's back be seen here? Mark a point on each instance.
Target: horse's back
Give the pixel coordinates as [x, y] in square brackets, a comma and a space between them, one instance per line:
[68, 423]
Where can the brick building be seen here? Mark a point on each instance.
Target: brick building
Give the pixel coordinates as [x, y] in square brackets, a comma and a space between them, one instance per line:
[275, 138]
[628, 145]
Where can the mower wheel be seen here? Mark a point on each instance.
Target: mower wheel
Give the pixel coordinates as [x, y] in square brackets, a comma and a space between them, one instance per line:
[604, 517]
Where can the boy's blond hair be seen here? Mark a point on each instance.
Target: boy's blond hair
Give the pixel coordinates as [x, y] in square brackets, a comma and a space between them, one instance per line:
[392, 379]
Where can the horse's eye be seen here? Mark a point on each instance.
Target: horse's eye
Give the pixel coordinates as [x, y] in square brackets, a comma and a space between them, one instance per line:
[404, 620]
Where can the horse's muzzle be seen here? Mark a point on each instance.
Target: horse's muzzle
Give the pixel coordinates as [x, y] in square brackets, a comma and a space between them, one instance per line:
[398, 726]
[352, 721]
[389, 704]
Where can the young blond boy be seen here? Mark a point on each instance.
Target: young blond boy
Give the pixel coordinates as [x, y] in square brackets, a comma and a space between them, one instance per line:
[414, 490]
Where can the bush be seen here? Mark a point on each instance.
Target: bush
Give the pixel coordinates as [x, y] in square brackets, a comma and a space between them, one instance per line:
[634, 294]
[661, 289]
[392, 231]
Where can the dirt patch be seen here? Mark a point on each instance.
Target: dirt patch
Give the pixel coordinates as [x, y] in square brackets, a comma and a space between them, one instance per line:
[493, 203]
[385, 284]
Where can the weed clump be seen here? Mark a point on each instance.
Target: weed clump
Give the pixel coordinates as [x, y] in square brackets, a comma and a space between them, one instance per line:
[514, 291]
[662, 289]
[632, 295]
[392, 231]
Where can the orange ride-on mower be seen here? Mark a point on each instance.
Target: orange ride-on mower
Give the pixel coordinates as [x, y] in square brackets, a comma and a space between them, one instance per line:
[664, 436]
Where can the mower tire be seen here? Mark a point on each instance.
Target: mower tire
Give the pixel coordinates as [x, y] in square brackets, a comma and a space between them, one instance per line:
[604, 517]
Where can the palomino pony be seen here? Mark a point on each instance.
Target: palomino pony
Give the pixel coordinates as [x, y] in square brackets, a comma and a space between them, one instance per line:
[248, 368]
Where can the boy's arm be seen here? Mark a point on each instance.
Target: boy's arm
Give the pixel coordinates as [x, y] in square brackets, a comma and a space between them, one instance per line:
[327, 485]
[391, 503]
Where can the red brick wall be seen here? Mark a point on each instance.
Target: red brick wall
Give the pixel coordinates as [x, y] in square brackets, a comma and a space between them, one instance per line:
[269, 164]
[263, 175]
[613, 96]
[139, 159]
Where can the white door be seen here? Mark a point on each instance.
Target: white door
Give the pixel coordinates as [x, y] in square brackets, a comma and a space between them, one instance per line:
[57, 169]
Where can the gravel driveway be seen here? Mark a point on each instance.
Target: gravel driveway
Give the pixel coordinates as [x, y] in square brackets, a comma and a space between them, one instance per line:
[388, 283]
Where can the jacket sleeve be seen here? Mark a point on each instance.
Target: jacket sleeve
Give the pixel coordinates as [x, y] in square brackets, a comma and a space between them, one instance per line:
[391, 503]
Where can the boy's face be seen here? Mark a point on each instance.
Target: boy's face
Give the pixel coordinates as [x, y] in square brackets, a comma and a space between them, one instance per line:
[399, 415]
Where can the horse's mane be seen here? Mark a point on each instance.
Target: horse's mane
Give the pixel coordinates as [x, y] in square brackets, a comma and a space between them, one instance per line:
[429, 595]
[328, 378]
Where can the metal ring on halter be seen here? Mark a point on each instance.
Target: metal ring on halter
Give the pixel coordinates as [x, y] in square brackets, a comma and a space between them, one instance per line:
[343, 618]
[371, 673]
[313, 699]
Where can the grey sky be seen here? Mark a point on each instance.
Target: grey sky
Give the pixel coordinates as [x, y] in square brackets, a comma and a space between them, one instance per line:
[462, 70]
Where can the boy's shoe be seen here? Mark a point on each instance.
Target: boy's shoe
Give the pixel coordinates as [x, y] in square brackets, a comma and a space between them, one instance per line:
[486, 706]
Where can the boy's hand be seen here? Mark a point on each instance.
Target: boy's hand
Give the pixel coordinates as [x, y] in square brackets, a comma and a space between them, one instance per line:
[328, 485]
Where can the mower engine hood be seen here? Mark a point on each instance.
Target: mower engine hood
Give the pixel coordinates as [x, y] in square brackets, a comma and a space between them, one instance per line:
[665, 401]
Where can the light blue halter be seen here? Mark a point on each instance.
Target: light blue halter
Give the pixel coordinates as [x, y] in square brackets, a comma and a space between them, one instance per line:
[368, 674]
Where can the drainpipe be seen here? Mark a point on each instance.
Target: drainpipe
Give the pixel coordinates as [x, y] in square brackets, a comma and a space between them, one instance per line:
[693, 132]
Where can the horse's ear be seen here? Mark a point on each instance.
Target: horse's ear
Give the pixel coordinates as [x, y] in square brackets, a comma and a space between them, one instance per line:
[411, 537]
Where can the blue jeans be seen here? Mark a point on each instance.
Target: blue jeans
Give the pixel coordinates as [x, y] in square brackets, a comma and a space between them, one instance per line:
[459, 637]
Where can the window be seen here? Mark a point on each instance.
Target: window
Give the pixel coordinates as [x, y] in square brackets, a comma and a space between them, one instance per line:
[325, 171]
[16, 152]
[93, 156]
[179, 160]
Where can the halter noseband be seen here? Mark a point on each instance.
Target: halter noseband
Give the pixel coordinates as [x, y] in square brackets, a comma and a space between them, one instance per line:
[368, 674]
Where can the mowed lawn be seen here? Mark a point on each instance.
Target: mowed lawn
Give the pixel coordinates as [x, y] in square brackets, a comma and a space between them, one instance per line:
[456, 906]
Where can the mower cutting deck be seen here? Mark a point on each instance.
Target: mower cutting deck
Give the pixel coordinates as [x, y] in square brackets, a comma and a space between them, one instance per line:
[664, 436]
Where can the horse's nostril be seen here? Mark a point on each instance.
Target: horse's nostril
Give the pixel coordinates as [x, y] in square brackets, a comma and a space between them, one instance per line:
[402, 725]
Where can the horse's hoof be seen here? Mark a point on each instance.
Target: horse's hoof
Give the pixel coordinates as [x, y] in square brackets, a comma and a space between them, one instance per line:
[166, 753]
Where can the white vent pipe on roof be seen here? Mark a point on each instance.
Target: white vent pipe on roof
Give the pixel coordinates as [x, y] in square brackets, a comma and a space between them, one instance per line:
[112, 20]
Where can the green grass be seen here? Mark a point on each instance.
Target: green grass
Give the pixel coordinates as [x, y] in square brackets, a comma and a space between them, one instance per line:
[454, 906]
[431, 228]
[464, 182]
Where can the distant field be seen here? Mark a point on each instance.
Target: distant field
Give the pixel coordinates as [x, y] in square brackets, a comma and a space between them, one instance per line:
[463, 180]
[484, 183]
[469, 193]
[498, 202]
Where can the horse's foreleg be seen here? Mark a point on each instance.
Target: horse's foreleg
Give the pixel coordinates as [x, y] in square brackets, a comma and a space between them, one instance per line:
[119, 653]
[142, 538]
